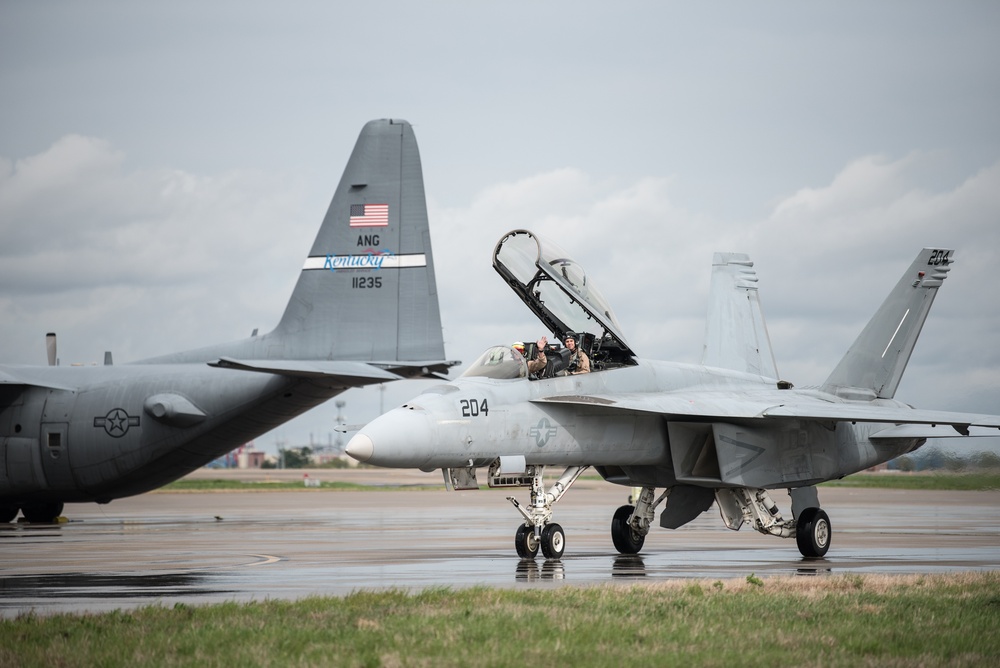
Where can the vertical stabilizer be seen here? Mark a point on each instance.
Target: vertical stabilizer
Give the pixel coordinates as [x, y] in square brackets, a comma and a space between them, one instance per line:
[875, 362]
[735, 334]
[367, 289]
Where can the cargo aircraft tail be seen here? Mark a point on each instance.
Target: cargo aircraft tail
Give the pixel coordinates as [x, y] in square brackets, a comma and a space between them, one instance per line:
[366, 295]
[364, 311]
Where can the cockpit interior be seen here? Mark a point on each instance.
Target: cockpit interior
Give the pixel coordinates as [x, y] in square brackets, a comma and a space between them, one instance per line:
[560, 293]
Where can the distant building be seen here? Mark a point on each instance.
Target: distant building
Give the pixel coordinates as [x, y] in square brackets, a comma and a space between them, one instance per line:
[248, 457]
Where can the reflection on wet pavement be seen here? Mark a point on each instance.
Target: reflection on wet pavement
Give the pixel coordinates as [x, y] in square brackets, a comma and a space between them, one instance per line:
[196, 548]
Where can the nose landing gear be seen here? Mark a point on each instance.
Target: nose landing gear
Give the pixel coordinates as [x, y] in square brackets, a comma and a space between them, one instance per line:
[536, 531]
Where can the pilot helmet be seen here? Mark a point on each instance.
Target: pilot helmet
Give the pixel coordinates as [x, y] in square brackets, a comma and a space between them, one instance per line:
[570, 335]
[518, 346]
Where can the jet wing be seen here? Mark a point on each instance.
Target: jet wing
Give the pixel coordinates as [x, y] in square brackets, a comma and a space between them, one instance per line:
[900, 416]
[694, 405]
[729, 406]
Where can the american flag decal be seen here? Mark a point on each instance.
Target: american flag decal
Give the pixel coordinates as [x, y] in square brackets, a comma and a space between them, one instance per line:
[369, 215]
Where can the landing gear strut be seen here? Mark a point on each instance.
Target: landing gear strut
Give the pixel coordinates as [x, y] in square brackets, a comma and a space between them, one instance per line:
[811, 529]
[536, 531]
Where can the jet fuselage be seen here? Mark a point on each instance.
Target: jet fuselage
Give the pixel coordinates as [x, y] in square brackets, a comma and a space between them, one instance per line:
[565, 421]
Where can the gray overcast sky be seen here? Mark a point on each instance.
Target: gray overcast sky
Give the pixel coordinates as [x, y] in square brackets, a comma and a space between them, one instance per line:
[164, 168]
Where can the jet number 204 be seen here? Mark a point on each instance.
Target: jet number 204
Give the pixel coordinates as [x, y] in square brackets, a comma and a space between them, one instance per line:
[939, 257]
[474, 407]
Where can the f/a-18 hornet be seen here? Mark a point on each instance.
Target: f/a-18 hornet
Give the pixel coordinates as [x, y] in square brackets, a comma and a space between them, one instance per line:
[726, 431]
[364, 311]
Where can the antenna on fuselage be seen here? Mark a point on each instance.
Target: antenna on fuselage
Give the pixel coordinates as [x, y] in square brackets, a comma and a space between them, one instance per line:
[50, 347]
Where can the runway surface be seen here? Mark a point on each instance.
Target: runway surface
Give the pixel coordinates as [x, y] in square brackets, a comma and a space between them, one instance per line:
[193, 548]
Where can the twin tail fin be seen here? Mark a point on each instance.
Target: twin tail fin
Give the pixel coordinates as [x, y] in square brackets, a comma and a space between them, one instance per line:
[874, 365]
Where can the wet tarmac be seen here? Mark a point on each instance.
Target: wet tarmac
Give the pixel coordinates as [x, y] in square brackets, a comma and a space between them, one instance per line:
[198, 548]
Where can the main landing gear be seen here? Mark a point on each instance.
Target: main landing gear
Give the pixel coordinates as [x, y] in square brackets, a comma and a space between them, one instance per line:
[536, 531]
[812, 532]
[630, 524]
[811, 527]
[738, 505]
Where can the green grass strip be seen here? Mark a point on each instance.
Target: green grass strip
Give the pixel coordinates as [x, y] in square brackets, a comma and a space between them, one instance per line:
[802, 621]
[931, 481]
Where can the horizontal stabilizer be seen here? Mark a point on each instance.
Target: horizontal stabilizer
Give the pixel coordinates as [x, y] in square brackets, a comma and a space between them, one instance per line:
[427, 369]
[350, 373]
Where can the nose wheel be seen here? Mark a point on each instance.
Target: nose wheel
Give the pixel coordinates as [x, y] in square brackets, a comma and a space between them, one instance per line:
[525, 542]
[552, 541]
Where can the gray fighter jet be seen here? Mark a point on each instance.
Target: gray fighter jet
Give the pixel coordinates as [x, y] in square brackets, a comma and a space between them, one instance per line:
[726, 431]
[364, 311]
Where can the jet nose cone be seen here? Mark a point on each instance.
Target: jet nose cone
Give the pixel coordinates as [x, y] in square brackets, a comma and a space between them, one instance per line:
[401, 438]
[360, 447]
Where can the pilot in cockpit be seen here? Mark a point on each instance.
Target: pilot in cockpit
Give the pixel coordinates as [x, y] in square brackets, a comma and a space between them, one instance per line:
[537, 361]
[578, 360]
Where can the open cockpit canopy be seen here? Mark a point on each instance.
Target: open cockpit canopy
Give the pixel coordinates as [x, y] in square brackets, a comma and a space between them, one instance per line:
[557, 290]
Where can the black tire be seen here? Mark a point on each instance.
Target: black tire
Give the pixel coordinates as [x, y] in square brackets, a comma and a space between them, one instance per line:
[41, 513]
[8, 511]
[626, 539]
[813, 533]
[553, 541]
[525, 542]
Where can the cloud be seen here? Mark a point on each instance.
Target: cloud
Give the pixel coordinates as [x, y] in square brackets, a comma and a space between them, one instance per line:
[145, 262]
[826, 255]
[847, 243]
[95, 250]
